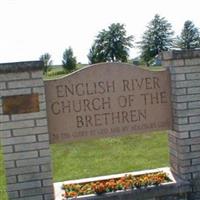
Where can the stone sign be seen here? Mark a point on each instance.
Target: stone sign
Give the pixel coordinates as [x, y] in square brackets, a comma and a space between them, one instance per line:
[107, 99]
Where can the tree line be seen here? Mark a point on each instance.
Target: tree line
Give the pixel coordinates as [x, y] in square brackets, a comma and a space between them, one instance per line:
[113, 44]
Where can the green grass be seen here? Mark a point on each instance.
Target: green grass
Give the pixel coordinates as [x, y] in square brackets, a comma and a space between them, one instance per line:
[57, 71]
[109, 156]
[104, 156]
[3, 194]
[153, 68]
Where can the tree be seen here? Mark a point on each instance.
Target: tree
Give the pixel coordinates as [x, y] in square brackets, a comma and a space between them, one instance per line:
[189, 38]
[69, 61]
[157, 38]
[111, 45]
[46, 58]
[96, 54]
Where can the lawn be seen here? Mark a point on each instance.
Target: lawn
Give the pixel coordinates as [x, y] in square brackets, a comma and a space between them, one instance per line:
[57, 71]
[3, 195]
[104, 156]
[109, 156]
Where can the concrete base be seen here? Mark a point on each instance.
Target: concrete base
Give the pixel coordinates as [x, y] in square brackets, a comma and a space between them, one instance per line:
[173, 188]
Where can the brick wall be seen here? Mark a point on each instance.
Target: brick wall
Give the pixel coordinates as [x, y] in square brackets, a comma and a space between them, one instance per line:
[184, 139]
[24, 137]
[25, 140]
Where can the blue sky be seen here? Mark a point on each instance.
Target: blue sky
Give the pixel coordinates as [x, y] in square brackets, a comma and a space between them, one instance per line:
[30, 28]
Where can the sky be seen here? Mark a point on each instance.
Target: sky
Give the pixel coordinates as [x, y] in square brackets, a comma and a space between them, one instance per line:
[30, 28]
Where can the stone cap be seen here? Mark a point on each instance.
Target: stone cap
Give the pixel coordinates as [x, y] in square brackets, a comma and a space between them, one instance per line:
[21, 66]
[180, 54]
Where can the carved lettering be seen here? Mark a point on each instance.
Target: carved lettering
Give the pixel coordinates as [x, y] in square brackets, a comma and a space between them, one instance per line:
[104, 119]
[154, 98]
[107, 100]
[85, 89]
[141, 83]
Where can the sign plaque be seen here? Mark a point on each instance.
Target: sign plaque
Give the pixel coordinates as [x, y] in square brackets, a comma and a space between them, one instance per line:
[107, 99]
[19, 104]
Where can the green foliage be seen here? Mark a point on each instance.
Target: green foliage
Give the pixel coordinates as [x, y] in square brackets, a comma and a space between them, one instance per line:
[189, 38]
[69, 61]
[96, 54]
[46, 58]
[111, 45]
[157, 38]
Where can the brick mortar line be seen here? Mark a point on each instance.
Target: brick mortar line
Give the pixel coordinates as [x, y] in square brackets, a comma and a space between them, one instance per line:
[36, 157]
[192, 73]
[178, 138]
[173, 101]
[190, 109]
[193, 87]
[31, 90]
[183, 66]
[21, 151]
[7, 81]
[181, 146]
[186, 92]
[178, 151]
[188, 124]
[18, 120]
[190, 116]
[28, 133]
[21, 120]
[189, 79]
[186, 80]
[34, 134]
[28, 181]
[35, 124]
[9, 89]
[174, 61]
[16, 128]
[42, 140]
[36, 149]
[176, 73]
[19, 80]
[15, 161]
[34, 118]
[172, 69]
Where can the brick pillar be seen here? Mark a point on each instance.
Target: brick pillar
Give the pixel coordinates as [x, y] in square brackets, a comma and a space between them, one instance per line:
[24, 133]
[184, 138]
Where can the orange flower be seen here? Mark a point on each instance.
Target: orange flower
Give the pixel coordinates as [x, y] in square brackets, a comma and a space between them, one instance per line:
[72, 194]
[125, 182]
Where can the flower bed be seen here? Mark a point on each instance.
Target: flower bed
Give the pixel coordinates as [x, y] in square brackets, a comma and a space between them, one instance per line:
[126, 182]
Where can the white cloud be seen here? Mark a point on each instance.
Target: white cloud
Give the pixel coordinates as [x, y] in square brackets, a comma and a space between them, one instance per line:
[32, 27]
